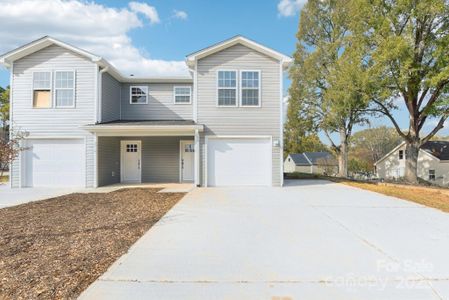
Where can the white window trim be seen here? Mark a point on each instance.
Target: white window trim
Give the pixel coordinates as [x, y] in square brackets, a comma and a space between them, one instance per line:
[54, 88]
[228, 88]
[174, 94]
[33, 89]
[434, 175]
[143, 87]
[258, 88]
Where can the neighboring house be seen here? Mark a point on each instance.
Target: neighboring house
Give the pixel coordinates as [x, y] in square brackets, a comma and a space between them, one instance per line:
[311, 162]
[89, 125]
[433, 163]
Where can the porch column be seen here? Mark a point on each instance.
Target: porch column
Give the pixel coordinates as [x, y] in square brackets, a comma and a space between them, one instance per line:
[196, 163]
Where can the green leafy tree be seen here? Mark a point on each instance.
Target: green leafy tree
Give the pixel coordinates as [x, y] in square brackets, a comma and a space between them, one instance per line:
[328, 75]
[370, 145]
[4, 108]
[408, 55]
[298, 133]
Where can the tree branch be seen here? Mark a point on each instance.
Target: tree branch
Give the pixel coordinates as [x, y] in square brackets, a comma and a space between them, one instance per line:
[385, 111]
[337, 149]
[435, 130]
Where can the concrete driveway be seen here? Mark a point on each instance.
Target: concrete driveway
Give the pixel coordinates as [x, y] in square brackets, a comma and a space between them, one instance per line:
[11, 197]
[308, 240]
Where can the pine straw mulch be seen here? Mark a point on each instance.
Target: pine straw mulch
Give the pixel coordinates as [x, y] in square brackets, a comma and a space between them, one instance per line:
[55, 248]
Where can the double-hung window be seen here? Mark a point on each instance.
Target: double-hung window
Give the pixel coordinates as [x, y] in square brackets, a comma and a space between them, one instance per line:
[432, 175]
[250, 88]
[42, 90]
[138, 95]
[401, 154]
[64, 89]
[227, 88]
[182, 94]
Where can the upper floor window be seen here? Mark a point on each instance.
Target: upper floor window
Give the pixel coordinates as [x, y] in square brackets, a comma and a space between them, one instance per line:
[64, 89]
[42, 89]
[227, 88]
[250, 88]
[138, 95]
[182, 94]
[432, 175]
[401, 154]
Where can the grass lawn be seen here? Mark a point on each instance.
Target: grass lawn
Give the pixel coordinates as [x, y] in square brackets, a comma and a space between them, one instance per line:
[432, 197]
[4, 179]
[56, 248]
[428, 196]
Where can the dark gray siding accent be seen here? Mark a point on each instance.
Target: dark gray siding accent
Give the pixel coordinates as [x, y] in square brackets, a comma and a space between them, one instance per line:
[249, 121]
[108, 160]
[54, 122]
[160, 104]
[110, 94]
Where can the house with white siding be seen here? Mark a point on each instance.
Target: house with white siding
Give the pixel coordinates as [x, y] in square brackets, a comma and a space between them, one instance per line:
[311, 163]
[433, 163]
[88, 125]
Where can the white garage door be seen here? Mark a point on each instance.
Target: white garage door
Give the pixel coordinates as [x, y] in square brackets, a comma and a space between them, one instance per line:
[55, 163]
[239, 161]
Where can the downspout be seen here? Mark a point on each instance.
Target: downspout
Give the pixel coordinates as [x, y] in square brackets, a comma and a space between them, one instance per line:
[11, 82]
[100, 94]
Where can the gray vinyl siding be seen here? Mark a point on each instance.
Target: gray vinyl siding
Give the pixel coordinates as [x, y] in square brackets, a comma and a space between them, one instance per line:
[160, 158]
[54, 123]
[263, 121]
[110, 102]
[108, 160]
[160, 104]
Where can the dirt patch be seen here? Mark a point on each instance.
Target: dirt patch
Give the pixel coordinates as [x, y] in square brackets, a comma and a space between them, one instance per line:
[56, 248]
[431, 197]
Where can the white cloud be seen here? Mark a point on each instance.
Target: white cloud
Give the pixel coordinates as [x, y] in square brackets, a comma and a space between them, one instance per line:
[289, 8]
[96, 28]
[148, 11]
[180, 14]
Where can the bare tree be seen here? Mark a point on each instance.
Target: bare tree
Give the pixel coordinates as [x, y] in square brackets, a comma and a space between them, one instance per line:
[10, 149]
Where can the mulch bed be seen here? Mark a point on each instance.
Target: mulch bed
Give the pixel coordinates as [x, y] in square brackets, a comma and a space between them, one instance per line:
[55, 248]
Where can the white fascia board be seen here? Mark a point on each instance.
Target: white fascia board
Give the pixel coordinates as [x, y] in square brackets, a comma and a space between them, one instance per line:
[143, 129]
[39, 44]
[190, 59]
[389, 153]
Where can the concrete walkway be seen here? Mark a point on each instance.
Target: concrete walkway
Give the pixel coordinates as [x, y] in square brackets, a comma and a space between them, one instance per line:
[11, 197]
[308, 240]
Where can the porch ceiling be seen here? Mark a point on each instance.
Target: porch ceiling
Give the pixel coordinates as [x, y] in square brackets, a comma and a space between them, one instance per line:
[145, 128]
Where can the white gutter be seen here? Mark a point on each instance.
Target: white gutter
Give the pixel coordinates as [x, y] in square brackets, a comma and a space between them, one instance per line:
[150, 130]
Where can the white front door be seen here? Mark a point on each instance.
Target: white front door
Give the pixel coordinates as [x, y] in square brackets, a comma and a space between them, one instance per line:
[187, 149]
[131, 161]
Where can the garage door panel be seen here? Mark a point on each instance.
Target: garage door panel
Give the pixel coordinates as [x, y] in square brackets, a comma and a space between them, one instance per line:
[239, 161]
[55, 163]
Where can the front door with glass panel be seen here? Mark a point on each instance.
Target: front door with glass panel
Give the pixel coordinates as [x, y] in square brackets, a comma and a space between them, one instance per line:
[131, 161]
[187, 157]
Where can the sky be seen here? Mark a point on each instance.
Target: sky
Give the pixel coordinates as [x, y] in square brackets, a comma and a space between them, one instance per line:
[152, 37]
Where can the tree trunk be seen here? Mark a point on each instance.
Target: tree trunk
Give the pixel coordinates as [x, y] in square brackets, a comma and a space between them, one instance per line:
[411, 161]
[343, 155]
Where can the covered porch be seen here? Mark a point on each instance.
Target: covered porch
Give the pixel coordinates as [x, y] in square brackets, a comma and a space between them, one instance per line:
[134, 152]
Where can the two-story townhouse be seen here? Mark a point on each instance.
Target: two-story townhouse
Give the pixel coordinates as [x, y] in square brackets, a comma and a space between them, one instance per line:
[88, 125]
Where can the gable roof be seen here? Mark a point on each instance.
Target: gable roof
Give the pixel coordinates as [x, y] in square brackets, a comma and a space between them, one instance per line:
[309, 158]
[8, 58]
[438, 149]
[299, 159]
[193, 57]
[40, 44]
[314, 157]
